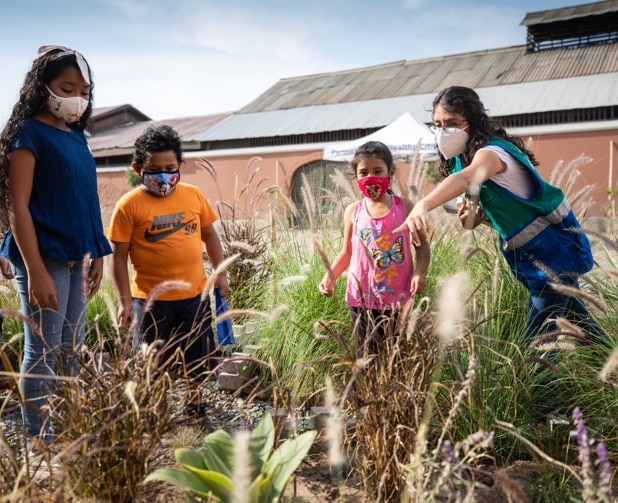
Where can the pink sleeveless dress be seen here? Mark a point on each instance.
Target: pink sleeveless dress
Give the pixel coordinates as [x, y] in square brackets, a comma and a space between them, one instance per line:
[381, 267]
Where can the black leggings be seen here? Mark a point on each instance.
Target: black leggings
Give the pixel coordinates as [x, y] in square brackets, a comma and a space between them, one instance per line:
[371, 327]
[185, 325]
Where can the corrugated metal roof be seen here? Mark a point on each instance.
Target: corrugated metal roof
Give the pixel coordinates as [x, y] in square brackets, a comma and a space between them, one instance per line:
[102, 111]
[510, 80]
[530, 97]
[566, 13]
[189, 129]
[495, 67]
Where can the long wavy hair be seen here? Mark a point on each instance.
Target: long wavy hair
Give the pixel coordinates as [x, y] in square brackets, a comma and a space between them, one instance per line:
[32, 98]
[464, 101]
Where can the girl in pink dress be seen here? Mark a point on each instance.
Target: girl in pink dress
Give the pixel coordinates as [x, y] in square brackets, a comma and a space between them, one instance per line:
[382, 276]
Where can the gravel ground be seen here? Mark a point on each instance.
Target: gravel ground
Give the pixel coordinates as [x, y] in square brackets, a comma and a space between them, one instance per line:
[313, 480]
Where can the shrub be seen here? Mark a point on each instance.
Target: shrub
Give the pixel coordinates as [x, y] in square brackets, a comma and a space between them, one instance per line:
[242, 469]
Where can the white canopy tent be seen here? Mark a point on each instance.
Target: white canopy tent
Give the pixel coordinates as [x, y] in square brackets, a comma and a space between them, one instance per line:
[402, 137]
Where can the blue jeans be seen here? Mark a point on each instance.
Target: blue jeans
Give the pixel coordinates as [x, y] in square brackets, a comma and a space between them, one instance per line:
[51, 342]
[547, 305]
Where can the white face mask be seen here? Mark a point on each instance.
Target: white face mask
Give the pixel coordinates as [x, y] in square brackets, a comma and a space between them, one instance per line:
[451, 141]
[67, 109]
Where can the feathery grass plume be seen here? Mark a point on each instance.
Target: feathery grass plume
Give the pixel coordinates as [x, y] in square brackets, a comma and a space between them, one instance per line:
[610, 241]
[324, 259]
[308, 203]
[599, 306]
[560, 172]
[452, 478]
[610, 366]
[241, 475]
[416, 176]
[544, 363]
[212, 277]
[334, 429]
[345, 184]
[557, 342]
[299, 278]
[111, 308]
[242, 246]
[277, 195]
[9, 313]
[568, 328]
[568, 178]
[160, 289]
[561, 338]
[129, 390]
[451, 308]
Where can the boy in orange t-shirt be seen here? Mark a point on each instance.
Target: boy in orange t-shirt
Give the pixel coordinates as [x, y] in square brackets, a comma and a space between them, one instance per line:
[161, 226]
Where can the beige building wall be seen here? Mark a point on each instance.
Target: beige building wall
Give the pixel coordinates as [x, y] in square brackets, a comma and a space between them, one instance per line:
[242, 177]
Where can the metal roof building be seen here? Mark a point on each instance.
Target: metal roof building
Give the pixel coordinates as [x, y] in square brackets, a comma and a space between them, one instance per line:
[563, 79]
[566, 72]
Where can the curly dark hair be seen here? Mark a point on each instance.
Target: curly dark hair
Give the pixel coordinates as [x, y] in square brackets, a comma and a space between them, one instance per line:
[373, 149]
[466, 102]
[157, 139]
[32, 101]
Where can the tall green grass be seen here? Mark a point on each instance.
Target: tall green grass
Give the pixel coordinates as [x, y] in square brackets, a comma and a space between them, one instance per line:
[443, 412]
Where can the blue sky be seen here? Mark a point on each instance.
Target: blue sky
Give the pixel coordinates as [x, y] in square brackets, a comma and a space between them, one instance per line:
[179, 58]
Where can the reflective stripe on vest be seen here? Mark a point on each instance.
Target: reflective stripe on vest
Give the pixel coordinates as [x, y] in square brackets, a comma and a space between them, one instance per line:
[538, 225]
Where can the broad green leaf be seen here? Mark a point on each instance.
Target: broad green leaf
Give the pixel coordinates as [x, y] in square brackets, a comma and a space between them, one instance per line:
[261, 443]
[266, 490]
[186, 456]
[253, 494]
[218, 484]
[179, 478]
[218, 452]
[286, 459]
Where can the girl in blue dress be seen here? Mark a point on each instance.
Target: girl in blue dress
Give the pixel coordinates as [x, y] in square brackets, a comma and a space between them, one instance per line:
[56, 244]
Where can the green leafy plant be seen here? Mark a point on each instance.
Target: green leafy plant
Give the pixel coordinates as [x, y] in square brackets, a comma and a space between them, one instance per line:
[132, 178]
[214, 472]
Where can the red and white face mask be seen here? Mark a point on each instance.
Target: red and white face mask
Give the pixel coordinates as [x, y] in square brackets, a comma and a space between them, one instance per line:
[374, 187]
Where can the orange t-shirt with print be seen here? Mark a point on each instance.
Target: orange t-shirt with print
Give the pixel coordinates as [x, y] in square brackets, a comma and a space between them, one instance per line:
[165, 239]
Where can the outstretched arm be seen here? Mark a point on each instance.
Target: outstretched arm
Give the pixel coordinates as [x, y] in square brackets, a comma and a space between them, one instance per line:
[484, 165]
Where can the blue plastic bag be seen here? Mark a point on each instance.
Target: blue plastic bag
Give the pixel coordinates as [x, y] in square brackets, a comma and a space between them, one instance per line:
[225, 333]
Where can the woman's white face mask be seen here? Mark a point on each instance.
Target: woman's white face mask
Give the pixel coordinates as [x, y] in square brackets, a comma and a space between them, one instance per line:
[451, 141]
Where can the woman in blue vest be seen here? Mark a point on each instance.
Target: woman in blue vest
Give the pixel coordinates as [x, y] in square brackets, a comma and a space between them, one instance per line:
[541, 238]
